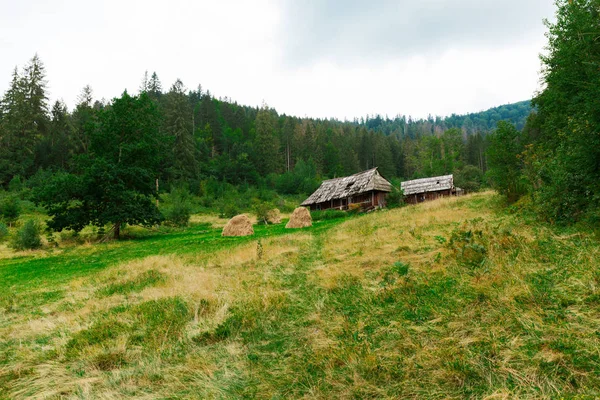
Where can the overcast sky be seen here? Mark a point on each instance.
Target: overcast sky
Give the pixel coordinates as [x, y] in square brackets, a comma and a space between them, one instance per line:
[327, 58]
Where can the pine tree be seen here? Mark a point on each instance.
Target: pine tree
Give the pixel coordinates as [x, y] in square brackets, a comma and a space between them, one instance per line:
[56, 148]
[384, 160]
[289, 129]
[145, 84]
[178, 114]
[25, 121]
[84, 121]
[266, 143]
[154, 87]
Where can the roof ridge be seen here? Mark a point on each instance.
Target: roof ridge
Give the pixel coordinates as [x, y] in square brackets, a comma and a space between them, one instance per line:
[358, 173]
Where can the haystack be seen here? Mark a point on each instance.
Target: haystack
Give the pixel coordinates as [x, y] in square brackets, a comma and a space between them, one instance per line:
[240, 225]
[274, 216]
[300, 218]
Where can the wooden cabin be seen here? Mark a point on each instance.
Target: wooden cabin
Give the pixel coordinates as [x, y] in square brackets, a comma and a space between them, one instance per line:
[367, 189]
[420, 190]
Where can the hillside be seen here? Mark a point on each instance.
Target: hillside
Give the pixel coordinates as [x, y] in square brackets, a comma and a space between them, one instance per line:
[452, 298]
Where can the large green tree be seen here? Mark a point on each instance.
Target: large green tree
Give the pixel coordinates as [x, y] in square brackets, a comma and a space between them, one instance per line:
[505, 162]
[114, 183]
[566, 154]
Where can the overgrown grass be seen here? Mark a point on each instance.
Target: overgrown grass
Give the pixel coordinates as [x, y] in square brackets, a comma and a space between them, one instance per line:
[451, 299]
[328, 214]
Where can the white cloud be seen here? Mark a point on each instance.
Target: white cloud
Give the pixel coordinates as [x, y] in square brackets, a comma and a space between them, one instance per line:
[253, 51]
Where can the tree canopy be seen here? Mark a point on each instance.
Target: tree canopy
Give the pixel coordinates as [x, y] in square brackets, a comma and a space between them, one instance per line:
[115, 181]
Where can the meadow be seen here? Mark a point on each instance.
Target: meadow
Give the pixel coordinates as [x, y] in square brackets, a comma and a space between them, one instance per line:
[457, 298]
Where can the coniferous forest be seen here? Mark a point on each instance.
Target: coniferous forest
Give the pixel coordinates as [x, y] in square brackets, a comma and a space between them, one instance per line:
[216, 148]
[217, 139]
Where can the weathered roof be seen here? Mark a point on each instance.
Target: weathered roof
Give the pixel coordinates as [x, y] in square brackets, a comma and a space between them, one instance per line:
[341, 188]
[428, 185]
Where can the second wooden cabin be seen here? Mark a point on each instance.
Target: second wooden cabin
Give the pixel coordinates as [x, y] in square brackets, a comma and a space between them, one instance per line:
[420, 190]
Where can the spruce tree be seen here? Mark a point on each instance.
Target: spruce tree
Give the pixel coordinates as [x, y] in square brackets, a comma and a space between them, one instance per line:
[177, 112]
[266, 143]
[25, 120]
[154, 87]
[84, 121]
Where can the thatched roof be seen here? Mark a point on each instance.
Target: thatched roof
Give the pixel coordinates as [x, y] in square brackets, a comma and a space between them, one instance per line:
[341, 188]
[428, 185]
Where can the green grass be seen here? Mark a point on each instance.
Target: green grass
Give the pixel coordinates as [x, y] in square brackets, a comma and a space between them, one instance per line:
[454, 299]
[73, 262]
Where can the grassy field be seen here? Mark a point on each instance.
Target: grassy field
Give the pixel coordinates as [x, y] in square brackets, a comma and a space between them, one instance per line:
[456, 298]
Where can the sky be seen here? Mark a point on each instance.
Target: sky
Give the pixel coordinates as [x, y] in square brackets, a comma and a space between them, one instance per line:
[341, 59]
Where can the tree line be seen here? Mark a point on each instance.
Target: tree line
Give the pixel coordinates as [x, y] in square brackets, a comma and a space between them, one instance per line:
[218, 139]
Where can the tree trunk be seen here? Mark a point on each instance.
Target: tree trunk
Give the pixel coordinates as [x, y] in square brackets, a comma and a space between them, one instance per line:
[117, 230]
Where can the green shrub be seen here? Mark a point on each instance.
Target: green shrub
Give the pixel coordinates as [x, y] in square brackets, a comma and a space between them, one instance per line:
[228, 210]
[10, 209]
[469, 247]
[395, 198]
[327, 215]
[469, 178]
[28, 237]
[15, 185]
[178, 213]
[3, 231]
[261, 210]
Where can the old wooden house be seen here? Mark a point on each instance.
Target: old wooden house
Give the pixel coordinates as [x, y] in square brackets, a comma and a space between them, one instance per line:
[420, 190]
[367, 190]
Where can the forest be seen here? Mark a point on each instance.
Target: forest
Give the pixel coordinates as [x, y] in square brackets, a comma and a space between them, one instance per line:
[219, 139]
[224, 153]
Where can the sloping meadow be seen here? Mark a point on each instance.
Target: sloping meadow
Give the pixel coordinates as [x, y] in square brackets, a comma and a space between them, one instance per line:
[449, 299]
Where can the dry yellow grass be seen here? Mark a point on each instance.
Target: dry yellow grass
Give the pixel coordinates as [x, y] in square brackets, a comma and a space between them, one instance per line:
[388, 305]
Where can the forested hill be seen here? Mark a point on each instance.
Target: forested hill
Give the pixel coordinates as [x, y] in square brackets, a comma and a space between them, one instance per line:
[472, 123]
[219, 140]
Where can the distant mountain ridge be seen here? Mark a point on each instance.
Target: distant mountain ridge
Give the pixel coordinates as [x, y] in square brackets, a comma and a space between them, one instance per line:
[471, 123]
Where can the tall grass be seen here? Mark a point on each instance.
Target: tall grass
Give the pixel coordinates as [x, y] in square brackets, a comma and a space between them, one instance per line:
[449, 299]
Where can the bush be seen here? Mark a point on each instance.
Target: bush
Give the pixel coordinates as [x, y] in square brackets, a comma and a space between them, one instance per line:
[261, 210]
[178, 213]
[469, 178]
[3, 231]
[28, 237]
[395, 198]
[15, 185]
[228, 210]
[10, 209]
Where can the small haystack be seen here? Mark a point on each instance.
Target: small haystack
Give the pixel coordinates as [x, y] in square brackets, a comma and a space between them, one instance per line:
[274, 216]
[300, 218]
[240, 225]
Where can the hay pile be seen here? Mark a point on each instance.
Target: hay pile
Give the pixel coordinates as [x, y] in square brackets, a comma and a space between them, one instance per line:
[240, 225]
[300, 218]
[274, 216]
